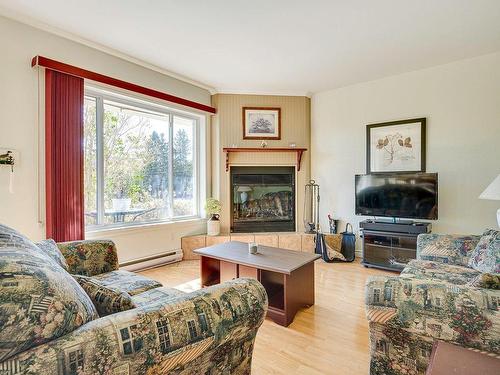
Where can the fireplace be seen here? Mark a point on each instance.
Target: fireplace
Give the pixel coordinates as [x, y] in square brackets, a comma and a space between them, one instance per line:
[262, 199]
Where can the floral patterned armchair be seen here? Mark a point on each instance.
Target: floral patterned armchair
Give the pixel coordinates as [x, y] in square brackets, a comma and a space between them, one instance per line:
[142, 327]
[436, 297]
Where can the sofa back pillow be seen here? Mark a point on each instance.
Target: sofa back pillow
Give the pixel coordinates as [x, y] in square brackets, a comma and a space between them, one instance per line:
[453, 249]
[486, 255]
[50, 248]
[107, 300]
[39, 300]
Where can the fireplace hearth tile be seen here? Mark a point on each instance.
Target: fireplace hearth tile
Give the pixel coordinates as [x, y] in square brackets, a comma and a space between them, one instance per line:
[243, 237]
[308, 244]
[216, 240]
[188, 244]
[290, 241]
[267, 240]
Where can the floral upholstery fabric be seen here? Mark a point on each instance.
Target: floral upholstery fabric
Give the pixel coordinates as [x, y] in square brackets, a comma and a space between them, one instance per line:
[210, 331]
[451, 249]
[486, 280]
[107, 300]
[429, 301]
[39, 300]
[435, 271]
[486, 255]
[156, 295]
[129, 282]
[90, 257]
[50, 248]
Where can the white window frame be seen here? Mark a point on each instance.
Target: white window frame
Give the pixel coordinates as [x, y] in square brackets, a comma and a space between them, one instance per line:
[100, 96]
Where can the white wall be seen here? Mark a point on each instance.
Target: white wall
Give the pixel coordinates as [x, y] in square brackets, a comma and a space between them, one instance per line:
[18, 129]
[461, 102]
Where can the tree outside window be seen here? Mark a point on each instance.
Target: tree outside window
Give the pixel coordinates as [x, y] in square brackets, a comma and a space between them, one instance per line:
[139, 163]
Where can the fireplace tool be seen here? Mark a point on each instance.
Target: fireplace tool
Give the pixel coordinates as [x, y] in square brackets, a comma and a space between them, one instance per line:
[311, 207]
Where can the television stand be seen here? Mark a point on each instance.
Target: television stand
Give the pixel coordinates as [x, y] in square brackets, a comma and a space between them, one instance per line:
[388, 245]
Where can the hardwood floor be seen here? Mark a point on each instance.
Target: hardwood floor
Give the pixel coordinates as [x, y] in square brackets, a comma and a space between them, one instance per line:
[330, 337]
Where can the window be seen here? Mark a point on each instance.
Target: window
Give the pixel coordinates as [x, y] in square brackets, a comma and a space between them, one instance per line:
[140, 161]
[75, 361]
[192, 329]
[381, 346]
[376, 295]
[494, 303]
[388, 293]
[438, 302]
[164, 335]
[202, 318]
[130, 344]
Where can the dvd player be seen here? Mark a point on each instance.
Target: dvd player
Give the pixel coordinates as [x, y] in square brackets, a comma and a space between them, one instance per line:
[411, 227]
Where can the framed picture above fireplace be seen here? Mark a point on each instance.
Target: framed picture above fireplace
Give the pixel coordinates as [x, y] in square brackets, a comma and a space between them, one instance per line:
[261, 123]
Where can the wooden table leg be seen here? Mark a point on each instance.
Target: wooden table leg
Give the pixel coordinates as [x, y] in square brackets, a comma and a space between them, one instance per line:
[299, 290]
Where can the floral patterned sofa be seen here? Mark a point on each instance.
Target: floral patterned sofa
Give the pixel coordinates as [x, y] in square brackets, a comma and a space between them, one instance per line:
[438, 296]
[67, 309]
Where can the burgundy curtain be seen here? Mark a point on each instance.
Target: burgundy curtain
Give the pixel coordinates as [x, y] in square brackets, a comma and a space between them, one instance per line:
[64, 156]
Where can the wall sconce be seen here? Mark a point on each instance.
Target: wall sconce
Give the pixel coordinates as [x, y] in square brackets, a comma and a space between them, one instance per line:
[8, 160]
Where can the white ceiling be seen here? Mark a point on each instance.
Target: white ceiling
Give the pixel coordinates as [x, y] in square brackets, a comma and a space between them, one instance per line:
[277, 46]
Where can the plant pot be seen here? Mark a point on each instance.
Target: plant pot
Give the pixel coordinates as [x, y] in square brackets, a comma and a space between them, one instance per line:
[121, 204]
[213, 225]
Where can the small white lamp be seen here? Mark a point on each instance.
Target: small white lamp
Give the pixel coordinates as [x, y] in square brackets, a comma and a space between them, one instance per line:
[492, 192]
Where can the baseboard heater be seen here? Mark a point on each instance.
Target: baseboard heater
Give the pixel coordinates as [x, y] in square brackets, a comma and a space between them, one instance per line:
[152, 261]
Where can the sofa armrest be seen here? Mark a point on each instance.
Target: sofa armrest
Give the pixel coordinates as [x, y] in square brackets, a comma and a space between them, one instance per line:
[90, 257]
[213, 328]
[457, 313]
[446, 248]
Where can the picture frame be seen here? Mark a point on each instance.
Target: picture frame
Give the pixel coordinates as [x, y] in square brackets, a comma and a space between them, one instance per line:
[396, 146]
[261, 123]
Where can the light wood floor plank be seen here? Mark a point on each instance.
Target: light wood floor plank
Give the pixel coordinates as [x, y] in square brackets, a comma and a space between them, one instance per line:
[331, 337]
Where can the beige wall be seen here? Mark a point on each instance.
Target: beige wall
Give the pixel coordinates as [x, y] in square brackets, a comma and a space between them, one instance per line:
[18, 129]
[462, 104]
[227, 129]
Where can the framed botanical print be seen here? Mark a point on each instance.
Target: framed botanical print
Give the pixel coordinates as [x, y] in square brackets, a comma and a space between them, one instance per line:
[261, 123]
[397, 146]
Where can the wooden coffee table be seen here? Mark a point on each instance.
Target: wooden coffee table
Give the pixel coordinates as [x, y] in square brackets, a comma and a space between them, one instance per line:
[287, 276]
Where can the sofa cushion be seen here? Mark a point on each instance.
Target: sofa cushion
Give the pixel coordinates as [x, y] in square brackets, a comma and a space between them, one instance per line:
[39, 300]
[436, 271]
[126, 281]
[91, 257]
[50, 248]
[486, 255]
[107, 299]
[450, 248]
[157, 295]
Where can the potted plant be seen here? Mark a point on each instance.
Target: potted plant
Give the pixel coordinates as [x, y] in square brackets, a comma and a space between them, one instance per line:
[213, 208]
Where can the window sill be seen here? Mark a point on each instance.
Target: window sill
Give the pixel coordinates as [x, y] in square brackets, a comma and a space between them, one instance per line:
[97, 231]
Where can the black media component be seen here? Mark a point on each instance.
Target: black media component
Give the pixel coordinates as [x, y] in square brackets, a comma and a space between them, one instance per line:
[390, 246]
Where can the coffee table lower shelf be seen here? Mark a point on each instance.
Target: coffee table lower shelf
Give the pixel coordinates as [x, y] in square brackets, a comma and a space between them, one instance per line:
[287, 293]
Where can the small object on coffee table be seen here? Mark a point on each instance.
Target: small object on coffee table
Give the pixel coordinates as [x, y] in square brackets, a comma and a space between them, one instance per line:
[287, 276]
[452, 359]
[253, 248]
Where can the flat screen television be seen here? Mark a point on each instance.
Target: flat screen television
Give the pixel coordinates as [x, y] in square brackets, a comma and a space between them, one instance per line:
[398, 195]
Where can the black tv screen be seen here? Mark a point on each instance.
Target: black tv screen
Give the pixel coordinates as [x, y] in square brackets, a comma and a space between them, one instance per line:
[398, 195]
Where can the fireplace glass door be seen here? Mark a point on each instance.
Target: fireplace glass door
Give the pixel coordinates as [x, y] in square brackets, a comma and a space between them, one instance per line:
[263, 199]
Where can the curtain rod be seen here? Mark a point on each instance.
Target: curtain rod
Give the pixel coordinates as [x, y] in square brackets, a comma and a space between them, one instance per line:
[87, 74]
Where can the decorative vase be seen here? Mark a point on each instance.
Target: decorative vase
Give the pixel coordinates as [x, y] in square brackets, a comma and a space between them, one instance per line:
[213, 225]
